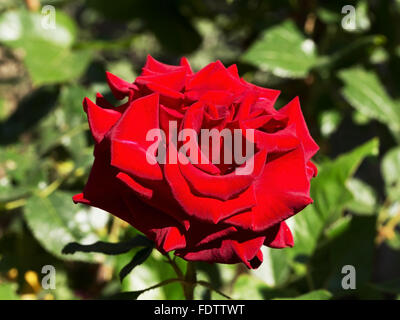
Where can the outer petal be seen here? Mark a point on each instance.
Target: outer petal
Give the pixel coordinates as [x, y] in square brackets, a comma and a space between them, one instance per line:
[270, 94]
[130, 157]
[279, 236]
[228, 251]
[173, 80]
[100, 120]
[120, 88]
[140, 117]
[293, 111]
[159, 67]
[102, 189]
[159, 227]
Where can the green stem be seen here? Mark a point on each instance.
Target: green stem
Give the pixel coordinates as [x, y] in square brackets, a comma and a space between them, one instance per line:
[190, 281]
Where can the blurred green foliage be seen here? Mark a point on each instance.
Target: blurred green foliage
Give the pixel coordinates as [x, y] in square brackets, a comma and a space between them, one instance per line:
[349, 87]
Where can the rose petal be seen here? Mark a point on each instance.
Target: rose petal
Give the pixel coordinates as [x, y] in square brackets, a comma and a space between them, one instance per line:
[279, 236]
[228, 251]
[293, 111]
[203, 208]
[140, 117]
[120, 88]
[282, 190]
[222, 187]
[135, 186]
[212, 77]
[100, 120]
[128, 156]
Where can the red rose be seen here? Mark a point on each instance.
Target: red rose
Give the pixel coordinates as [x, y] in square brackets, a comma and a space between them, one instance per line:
[204, 211]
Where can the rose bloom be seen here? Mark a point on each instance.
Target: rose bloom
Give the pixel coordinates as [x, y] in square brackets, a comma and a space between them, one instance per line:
[202, 212]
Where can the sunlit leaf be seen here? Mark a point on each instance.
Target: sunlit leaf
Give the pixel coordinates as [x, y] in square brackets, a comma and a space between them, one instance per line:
[284, 51]
[56, 221]
[390, 168]
[364, 91]
[364, 197]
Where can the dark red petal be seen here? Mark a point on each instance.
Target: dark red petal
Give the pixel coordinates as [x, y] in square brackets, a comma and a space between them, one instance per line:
[248, 250]
[270, 94]
[193, 119]
[233, 70]
[100, 120]
[159, 67]
[217, 98]
[159, 227]
[129, 157]
[185, 63]
[135, 186]
[203, 208]
[312, 170]
[102, 189]
[282, 190]
[279, 236]
[222, 187]
[172, 80]
[228, 251]
[212, 77]
[102, 102]
[166, 116]
[279, 142]
[140, 117]
[120, 88]
[293, 111]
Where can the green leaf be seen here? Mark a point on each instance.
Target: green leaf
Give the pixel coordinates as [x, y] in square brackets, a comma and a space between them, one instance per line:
[49, 63]
[8, 291]
[313, 295]
[56, 221]
[48, 54]
[364, 197]
[329, 122]
[364, 92]
[330, 196]
[283, 51]
[390, 168]
[19, 27]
